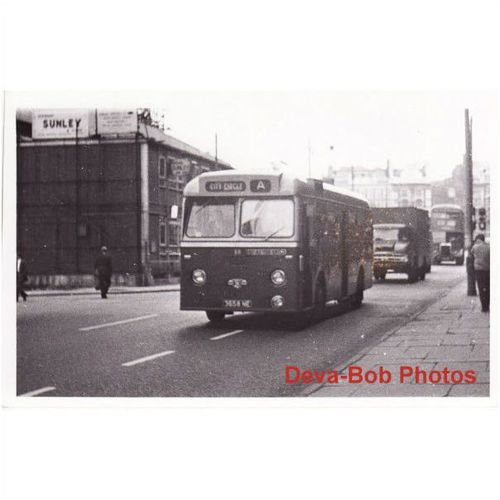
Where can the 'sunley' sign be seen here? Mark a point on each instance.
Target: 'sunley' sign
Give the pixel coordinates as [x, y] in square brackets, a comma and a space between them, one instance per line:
[60, 124]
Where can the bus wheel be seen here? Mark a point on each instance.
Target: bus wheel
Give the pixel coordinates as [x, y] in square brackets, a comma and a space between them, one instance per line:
[422, 273]
[300, 320]
[215, 316]
[319, 302]
[459, 261]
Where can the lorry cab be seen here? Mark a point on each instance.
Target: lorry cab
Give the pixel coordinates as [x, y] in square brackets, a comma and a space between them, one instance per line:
[395, 251]
[402, 242]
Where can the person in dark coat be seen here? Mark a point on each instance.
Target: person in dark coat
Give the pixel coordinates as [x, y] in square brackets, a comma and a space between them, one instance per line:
[103, 272]
[481, 253]
[22, 278]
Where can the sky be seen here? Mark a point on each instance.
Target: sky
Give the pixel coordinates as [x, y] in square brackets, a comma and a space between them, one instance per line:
[410, 129]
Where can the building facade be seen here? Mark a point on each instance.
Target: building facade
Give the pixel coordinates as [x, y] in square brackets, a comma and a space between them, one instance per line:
[371, 183]
[122, 190]
[385, 187]
[411, 193]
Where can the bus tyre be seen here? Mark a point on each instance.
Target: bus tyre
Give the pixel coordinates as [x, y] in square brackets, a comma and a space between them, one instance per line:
[319, 302]
[459, 261]
[357, 298]
[215, 316]
[422, 273]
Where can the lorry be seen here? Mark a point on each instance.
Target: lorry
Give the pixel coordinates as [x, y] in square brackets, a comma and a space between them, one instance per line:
[402, 242]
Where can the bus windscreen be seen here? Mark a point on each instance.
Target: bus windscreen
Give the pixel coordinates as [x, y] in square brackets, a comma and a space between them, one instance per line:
[212, 219]
[267, 218]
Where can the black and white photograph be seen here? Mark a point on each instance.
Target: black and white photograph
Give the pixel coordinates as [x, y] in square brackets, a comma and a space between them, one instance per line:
[256, 244]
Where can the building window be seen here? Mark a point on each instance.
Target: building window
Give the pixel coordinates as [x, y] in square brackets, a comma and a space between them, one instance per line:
[162, 172]
[173, 240]
[169, 166]
[163, 233]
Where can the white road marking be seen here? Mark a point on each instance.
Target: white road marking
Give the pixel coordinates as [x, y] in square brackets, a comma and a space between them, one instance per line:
[224, 335]
[147, 358]
[38, 391]
[122, 322]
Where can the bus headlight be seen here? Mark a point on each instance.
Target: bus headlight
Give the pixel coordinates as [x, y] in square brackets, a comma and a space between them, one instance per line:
[278, 277]
[199, 277]
[277, 301]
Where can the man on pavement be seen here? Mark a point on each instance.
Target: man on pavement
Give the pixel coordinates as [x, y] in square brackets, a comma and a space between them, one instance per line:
[103, 272]
[481, 253]
[22, 277]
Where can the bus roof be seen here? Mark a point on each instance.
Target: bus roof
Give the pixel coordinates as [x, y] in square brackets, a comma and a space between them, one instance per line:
[238, 183]
[447, 206]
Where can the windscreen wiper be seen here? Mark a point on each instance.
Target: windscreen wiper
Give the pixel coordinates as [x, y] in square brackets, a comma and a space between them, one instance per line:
[273, 233]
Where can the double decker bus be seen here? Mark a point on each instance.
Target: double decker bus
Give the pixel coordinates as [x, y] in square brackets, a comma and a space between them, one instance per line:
[271, 242]
[447, 224]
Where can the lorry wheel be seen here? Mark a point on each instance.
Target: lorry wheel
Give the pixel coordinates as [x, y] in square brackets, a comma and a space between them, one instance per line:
[412, 275]
[215, 316]
[459, 261]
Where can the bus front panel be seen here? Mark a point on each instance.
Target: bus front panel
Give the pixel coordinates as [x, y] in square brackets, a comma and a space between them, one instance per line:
[240, 278]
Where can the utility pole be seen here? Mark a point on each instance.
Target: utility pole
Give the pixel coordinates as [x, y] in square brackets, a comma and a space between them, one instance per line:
[388, 182]
[309, 157]
[77, 203]
[216, 152]
[469, 262]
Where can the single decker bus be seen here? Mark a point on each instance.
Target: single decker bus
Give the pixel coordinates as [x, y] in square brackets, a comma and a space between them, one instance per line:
[271, 242]
[447, 224]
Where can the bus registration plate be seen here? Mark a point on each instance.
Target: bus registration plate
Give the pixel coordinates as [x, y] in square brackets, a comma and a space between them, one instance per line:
[237, 303]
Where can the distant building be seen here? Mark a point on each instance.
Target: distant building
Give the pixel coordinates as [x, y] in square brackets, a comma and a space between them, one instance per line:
[107, 181]
[371, 183]
[411, 193]
[385, 187]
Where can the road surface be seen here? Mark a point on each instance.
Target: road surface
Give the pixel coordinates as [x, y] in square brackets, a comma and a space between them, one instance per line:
[142, 345]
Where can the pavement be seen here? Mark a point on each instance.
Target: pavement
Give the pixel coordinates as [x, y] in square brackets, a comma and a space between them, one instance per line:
[452, 333]
[117, 290]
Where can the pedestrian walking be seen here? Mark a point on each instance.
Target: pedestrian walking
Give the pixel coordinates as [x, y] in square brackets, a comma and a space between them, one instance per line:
[103, 272]
[22, 278]
[481, 253]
